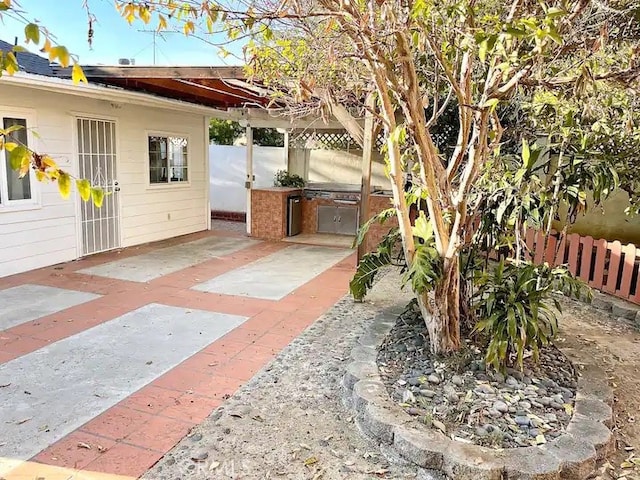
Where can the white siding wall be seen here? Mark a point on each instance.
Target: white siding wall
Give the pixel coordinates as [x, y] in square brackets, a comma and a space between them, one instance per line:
[48, 234]
[227, 173]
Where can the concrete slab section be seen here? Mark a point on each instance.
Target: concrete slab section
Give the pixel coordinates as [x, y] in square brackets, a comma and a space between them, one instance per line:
[28, 302]
[155, 264]
[277, 275]
[75, 379]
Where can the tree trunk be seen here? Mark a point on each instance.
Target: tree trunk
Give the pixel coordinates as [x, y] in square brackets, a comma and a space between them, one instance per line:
[441, 311]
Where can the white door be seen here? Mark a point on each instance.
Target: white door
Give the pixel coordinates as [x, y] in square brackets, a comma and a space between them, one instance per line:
[97, 163]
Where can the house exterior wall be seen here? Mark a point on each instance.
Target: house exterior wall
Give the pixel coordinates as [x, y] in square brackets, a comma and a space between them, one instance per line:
[47, 233]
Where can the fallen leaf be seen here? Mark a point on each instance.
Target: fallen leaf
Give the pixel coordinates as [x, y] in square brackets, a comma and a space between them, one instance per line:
[439, 425]
[540, 439]
[84, 445]
[24, 420]
[568, 408]
[305, 446]
[101, 449]
[214, 465]
[310, 461]
[149, 362]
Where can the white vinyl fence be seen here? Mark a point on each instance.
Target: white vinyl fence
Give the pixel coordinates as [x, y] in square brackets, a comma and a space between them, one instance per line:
[227, 173]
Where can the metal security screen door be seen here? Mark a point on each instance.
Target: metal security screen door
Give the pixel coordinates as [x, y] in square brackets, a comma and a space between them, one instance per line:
[97, 159]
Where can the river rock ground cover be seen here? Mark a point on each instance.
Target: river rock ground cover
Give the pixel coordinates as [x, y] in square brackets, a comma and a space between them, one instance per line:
[469, 402]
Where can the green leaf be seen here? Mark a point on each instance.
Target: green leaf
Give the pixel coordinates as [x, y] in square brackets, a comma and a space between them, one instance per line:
[491, 103]
[32, 33]
[526, 154]
[17, 155]
[423, 228]
[97, 195]
[64, 185]
[84, 189]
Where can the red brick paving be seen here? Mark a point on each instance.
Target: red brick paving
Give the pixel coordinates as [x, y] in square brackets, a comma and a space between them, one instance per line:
[130, 437]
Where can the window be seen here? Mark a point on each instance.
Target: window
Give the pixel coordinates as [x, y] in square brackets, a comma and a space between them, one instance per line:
[13, 189]
[167, 159]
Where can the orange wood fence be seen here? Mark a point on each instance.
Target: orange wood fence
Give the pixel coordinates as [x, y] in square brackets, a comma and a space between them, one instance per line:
[607, 266]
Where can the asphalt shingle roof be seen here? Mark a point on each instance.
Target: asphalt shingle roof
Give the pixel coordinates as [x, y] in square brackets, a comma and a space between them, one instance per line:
[29, 62]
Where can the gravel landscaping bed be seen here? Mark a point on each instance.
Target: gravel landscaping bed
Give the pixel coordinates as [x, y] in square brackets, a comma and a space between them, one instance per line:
[464, 400]
[289, 422]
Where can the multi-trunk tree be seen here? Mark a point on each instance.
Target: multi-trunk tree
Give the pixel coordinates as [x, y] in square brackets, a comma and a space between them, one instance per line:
[506, 74]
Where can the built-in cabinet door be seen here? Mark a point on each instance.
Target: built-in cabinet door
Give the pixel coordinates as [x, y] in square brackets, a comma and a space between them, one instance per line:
[327, 219]
[341, 220]
[347, 220]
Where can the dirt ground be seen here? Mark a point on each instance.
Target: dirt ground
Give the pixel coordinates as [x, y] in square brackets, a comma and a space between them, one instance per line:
[616, 348]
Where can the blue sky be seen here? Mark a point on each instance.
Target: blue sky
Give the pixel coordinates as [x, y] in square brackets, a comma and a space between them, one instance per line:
[114, 38]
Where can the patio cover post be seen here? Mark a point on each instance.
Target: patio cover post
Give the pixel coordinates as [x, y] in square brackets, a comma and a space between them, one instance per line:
[250, 176]
[367, 158]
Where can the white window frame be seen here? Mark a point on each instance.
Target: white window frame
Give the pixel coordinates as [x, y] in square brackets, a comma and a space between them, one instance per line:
[7, 205]
[169, 183]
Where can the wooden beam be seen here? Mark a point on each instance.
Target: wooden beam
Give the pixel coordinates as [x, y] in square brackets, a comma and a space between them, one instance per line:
[134, 71]
[277, 118]
[369, 140]
[349, 123]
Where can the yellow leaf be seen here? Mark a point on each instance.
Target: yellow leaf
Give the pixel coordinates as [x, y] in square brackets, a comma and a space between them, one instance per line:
[162, 23]
[64, 185]
[144, 13]
[540, 439]
[32, 33]
[9, 146]
[49, 162]
[310, 461]
[11, 63]
[61, 53]
[84, 189]
[41, 176]
[97, 195]
[24, 166]
[189, 27]
[77, 75]
[47, 46]
[568, 408]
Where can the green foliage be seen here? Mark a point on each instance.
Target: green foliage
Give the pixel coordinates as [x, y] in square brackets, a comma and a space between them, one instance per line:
[224, 132]
[268, 137]
[425, 269]
[285, 179]
[371, 264]
[512, 301]
[380, 218]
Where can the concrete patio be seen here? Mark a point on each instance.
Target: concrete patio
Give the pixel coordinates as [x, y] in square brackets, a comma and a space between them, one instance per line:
[107, 362]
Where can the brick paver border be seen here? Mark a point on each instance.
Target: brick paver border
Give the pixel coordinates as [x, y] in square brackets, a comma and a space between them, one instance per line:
[130, 437]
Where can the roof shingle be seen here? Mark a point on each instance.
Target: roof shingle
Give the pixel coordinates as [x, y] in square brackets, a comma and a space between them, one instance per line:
[29, 62]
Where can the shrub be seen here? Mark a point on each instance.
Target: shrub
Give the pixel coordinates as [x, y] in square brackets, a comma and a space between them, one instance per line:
[285, 179]
[512, 302]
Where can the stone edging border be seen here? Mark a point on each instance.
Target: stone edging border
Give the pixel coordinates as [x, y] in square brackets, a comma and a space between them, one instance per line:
[618, 308]
[572, 455]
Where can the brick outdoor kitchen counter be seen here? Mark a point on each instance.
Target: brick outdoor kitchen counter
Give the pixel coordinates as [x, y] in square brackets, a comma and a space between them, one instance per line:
[269, 211]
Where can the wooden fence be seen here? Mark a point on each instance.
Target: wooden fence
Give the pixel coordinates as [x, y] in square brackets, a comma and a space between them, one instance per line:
[607, 266]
